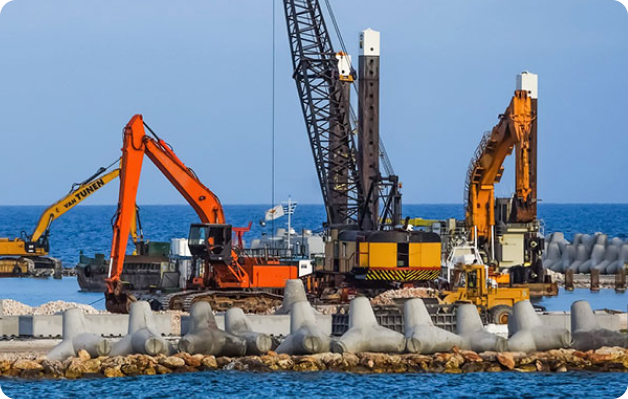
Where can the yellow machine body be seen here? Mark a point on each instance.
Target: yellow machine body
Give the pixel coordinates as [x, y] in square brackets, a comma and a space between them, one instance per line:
[480, 290]
[393, 256]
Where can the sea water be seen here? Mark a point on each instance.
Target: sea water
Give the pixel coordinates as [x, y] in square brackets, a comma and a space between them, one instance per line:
[331, 385]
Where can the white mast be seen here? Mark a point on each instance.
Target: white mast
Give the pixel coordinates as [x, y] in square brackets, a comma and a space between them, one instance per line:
[289, 209]
[289, 224]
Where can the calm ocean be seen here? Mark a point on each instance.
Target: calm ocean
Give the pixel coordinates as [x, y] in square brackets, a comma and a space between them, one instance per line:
[329, 385]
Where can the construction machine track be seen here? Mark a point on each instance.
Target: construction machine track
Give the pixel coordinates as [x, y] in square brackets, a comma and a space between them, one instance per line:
[36, 266]
[220, 301]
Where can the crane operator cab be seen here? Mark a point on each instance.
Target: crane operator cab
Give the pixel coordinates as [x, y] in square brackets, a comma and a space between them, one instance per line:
[211, 242]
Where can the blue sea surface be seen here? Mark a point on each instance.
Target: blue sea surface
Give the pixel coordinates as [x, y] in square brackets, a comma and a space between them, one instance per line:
[37, 291]
[602, 299]
[330, 385]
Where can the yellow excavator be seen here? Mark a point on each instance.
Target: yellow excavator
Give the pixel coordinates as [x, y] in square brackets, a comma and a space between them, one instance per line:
[473, 284]
[28, 254]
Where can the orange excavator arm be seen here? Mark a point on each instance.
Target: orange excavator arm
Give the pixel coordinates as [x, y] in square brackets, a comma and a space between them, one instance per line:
[512, 132]
[135, 145]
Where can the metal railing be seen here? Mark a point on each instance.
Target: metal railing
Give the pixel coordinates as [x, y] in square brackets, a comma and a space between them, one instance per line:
[473, 164]
[443, 316]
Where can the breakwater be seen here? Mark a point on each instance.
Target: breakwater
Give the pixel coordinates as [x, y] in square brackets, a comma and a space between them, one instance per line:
[605, 359]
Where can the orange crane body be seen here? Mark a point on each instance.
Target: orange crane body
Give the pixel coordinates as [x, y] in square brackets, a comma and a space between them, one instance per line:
[511, 133]
[234, 273]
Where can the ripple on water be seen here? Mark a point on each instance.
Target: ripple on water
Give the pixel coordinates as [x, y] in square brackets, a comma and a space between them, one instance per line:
[224, 384]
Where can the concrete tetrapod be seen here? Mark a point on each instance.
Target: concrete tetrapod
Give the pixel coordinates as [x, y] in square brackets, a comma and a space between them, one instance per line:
[142, 337]
[581, 257]
[306, 337]
[610, 256]
[588, 241]
[470, 328]
[76, 337]
[597, 256]
[530, 335]
[621, 261]
[553, 256]
[587, 333]
[422, 336]
[365, 335]
[293, 292]
[205, 338]
[569, 256]
[237, 324]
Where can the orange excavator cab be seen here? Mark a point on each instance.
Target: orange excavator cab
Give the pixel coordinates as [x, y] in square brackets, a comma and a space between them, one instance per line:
[211, 241]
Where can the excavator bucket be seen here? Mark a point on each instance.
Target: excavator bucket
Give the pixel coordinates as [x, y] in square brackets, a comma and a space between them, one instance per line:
[119, 302]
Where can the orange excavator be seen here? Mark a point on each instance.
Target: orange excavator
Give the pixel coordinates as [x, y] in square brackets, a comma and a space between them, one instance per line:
[221, 267]
[507, 229]
[513, 130]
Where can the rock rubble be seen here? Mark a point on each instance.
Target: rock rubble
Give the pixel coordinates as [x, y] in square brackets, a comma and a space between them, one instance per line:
[606, 359]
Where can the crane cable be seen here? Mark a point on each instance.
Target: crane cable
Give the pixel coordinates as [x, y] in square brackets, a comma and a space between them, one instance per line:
[273, 119]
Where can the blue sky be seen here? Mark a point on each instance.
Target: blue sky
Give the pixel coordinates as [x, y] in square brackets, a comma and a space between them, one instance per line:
[75, 71]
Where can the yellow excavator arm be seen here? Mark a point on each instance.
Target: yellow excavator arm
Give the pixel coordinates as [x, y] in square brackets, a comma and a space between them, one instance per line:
[20, 256]
[75, 197]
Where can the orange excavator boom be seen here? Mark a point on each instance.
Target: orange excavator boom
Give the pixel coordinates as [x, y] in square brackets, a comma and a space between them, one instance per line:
[515, 131]
[136, 144]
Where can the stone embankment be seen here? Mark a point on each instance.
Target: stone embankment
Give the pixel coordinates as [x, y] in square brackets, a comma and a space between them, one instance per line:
[459, 361]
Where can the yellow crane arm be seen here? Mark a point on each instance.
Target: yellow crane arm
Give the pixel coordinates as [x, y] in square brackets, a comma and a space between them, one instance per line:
[75, 197]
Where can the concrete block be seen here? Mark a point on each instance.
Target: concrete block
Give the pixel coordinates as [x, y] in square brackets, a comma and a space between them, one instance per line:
[10, 326]
[237, 324]
[305, 336]
[421, 334]
[587, 333]
[609, 321]
[469, 327]
[107, 325]
[365, 335]
[205, 338]
[76, 338]
[276, 325]
[529, 334]
[142, 336]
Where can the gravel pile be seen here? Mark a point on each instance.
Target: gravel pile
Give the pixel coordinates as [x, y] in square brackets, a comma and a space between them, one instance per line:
[15, 308]
[388, 297]
[175, 320]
